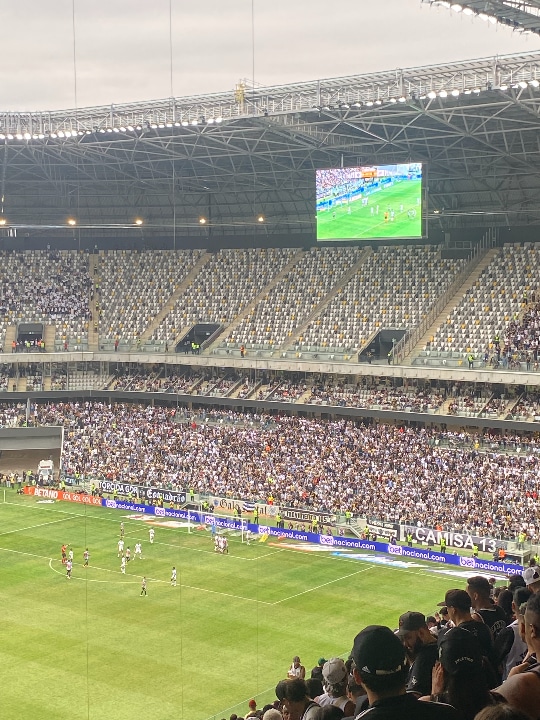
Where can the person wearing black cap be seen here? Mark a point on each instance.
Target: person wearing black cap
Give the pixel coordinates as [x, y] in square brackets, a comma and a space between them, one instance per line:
[478, 589]
[459, 678]
[381, 667]
[458, 603]
[421, 647]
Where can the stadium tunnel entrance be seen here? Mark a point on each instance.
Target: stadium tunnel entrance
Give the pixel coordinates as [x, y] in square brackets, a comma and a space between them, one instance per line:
[197, 337]
[382, 345]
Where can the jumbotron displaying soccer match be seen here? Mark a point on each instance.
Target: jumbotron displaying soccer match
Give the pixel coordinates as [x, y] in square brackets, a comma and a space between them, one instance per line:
[369, 203]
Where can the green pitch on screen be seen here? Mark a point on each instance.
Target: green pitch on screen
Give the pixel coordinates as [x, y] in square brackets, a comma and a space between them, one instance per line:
[393, 212]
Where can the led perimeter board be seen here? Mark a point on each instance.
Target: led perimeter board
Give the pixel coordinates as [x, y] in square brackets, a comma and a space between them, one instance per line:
[370, 203]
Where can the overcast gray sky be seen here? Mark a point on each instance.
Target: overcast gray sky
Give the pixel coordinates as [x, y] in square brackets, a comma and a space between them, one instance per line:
[122, 48]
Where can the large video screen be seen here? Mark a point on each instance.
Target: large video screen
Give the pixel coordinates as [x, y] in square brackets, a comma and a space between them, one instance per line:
[369, 203]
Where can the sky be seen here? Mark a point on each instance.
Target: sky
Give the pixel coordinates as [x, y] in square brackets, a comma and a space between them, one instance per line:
[75, 53]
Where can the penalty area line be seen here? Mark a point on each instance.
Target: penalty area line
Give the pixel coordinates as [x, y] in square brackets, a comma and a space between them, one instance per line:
[318, 587]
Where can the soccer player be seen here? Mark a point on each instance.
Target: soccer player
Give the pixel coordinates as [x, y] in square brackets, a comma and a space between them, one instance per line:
[143, 586]
[123, 565]
[173, 576]
[86, 557]
[69, 567]
[216, 544]
[151, 533]
[63, 551]
[225, 545]
[138, 550]
[120, 547]
[128, 554]
[121, 529]
[70, 555]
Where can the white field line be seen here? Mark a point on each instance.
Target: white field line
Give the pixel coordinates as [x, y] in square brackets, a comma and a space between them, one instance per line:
[318, 587]
[32, 527]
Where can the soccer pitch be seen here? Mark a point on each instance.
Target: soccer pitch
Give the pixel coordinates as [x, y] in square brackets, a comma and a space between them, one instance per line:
[92, 647]
[357, 221]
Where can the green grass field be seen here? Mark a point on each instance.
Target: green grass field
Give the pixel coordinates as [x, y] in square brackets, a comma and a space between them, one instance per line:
[93, 648]
[361, 223]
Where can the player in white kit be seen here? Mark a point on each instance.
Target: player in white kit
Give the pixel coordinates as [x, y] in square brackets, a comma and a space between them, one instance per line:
[120, 548]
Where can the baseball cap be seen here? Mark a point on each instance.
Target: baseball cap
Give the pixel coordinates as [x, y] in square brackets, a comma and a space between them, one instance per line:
[411, 620]
[457, 599]
[531, 575]
[334, 671]
[459, 652]
[378, 651]
[321, 661]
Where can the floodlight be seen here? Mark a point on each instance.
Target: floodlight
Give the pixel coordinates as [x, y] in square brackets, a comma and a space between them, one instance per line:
[432, 94]
[468, 11]
[67, 133]
[27, 136]
[169, 124]
[71, 221]
[202, 221]
[345, 106]
[185, 123]
[369, 103]
[534, 83]
[260, 218]
[476, 90]
[19, 136]
[52, 135]
[210, 121]
[176, 124]
[139, 127]
[378, 102]
[456, 7]
[2, 136]
[41, 136]
[116, 130]
[393, 100]
[402, 99]
[195, 122]
[483, 16]
[154, 126]
[503, 87]
[123, 129]
[443, 94]
[161, 126]
[455, 93]
[3, 221]
[138, 221]
[357, 104]
[522, 84]
[219, 119]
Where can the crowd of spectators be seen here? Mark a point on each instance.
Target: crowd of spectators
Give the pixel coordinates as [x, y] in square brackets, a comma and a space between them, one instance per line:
[523, 337]
[408, 475]
[475, 658]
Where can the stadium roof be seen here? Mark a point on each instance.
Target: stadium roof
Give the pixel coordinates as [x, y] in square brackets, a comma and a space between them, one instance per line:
[521, 15]
[234, 157]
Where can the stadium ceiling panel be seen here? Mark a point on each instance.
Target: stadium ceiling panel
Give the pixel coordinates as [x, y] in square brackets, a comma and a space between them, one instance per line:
[232, 158]
[521, 15]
